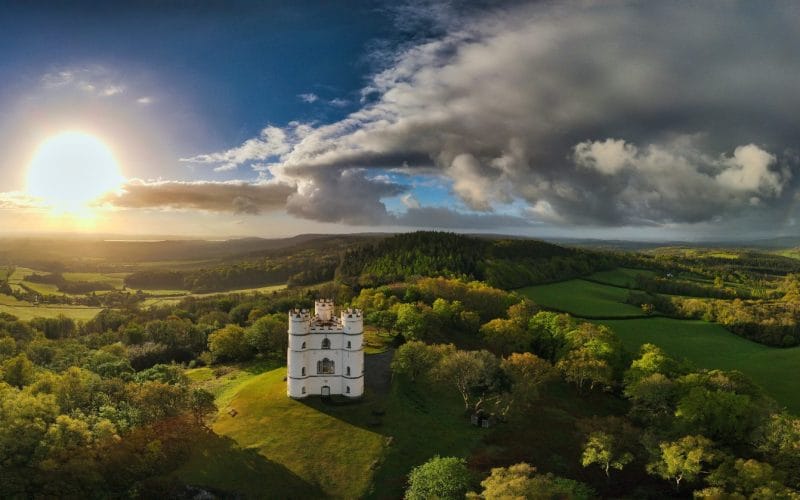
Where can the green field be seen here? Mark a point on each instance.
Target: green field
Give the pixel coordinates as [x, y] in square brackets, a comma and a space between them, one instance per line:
[116, 280]
[621, 276]
[709, 345]
[27, 311]
[336, 451]
[583, 298]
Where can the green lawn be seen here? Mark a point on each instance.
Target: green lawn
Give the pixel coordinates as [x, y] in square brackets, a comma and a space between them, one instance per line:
[709, 345]
[583, 298]
[620, 276]
[309, 449]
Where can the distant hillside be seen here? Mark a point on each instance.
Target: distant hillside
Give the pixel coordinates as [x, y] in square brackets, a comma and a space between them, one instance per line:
[503, 262]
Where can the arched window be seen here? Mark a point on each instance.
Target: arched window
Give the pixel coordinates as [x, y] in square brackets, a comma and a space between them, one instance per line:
[303, 371]
[325, 367]
[347, 389]
[326, 344]
[303, 390]
[303, 346]
[348, 344]
[348, 370]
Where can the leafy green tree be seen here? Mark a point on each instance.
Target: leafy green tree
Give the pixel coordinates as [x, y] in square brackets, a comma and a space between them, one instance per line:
[24, 420]
[268, 334]
[229, 343]
[651, 360]
[504, 336]
[520, 481]
[780, 440]
[416, 358]
[722, 415]
[8, 347]
[653, 399]
[19, 371]
[603, 450]
[527, 373]
[444, 478]
[522, 312]
[684, 459]
[202, 405]
[470, 373]
[749, 479]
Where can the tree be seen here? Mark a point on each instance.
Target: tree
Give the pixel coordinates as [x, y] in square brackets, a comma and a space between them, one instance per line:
[469, 372]
[527, 373]
[268, 334]
[602, 449]
[653, 399]
[416, 358]
[581, 367]
[230, 344]
[520, 481]
[651, 360]
[504, 336]
[747, 478]
[522, 312]
[411, 322]
[19, 371]
[684, 459]
[201, 403]
[440, 477]
[721, 415]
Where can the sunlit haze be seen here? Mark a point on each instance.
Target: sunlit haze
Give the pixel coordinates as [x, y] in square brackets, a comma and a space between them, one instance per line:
[71, 169]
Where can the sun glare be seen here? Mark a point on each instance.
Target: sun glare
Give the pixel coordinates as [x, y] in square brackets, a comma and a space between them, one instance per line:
[71, 169]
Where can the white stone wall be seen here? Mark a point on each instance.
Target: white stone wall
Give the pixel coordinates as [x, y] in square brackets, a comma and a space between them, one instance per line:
[306, 336]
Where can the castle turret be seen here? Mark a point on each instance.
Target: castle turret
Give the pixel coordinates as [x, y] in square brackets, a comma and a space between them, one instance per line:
[323, 309]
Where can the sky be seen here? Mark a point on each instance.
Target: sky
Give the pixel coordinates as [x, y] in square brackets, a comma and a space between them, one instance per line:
[614, 119]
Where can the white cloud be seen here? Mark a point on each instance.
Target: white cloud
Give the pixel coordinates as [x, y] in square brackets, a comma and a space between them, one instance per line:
[271, 142]
[144, 100]
[308, 97]
[608, 157]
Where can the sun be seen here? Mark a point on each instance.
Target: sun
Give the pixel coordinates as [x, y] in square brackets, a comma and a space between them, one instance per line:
[70, 170]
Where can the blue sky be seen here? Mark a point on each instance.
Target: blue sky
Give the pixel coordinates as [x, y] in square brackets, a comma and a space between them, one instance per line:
[624, 120]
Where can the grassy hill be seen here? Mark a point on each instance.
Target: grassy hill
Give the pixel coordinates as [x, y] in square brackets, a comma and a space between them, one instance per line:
[308, 449]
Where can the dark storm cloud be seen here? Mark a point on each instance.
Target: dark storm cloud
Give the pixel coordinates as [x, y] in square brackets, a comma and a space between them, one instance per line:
[232, 197]
[590, 113]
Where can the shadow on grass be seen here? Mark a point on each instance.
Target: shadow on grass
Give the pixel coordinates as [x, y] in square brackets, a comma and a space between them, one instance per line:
[222, 467]
[367, 411]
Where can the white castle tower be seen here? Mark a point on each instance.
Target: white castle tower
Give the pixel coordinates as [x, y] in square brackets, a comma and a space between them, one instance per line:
[326, 354]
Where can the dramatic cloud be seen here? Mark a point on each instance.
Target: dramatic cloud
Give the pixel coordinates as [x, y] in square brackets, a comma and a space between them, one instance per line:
[587, 113]
[233, 197]
[270, 143]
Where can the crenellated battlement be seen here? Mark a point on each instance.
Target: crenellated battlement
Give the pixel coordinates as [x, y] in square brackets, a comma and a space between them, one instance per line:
[350, 313]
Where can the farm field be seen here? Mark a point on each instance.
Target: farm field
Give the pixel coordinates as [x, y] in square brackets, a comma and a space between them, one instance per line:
[27, 311]
[583, 298]
[621, 276]
[349, 445]
[709, 345]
